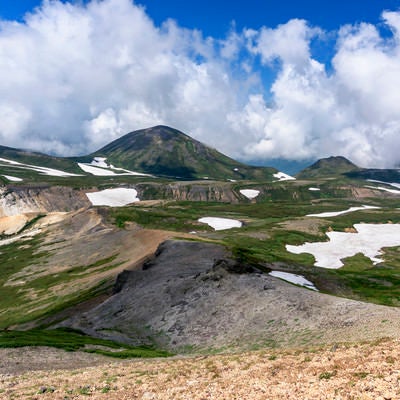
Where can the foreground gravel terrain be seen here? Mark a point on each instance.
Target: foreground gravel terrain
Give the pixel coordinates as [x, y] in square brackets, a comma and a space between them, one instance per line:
[363, 371]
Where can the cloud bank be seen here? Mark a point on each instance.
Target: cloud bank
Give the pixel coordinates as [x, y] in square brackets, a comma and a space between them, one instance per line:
[75, 77]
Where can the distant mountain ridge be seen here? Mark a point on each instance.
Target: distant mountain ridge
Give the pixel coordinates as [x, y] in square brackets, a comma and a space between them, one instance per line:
[40, 159]
[330, 166]
[166, 152]
[336, 166]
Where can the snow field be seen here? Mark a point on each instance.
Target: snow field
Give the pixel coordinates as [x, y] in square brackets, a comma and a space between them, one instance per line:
[369, 240]
[250, 193]
[281, 176]
[117, 197]
[220, 224]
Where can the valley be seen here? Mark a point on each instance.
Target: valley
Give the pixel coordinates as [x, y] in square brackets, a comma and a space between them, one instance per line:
[121, 259]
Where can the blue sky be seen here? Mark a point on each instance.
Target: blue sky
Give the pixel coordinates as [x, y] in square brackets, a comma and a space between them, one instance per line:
[214, 17]
[258, 80]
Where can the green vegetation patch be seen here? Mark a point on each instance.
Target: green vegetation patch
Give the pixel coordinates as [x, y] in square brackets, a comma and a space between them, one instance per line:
[73, 340]
[29, 297]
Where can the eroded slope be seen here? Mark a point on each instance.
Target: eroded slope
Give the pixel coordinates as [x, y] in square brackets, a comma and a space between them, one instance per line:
[194, 296]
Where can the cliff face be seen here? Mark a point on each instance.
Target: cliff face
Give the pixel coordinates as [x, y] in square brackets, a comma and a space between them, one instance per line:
[191, 191]
[197, 192]
[22, 200]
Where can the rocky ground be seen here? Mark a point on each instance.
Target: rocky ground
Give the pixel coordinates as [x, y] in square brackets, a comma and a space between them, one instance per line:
[192, 297]
[361, 371]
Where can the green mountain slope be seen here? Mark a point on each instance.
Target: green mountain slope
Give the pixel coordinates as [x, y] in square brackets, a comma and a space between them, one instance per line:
[341, 166]
[39, 159]
[385, 175]
[331, 166]
[165, 151]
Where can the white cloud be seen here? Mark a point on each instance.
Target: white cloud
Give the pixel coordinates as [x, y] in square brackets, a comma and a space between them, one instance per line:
[79, 76]
[352, 111]
[289, 42]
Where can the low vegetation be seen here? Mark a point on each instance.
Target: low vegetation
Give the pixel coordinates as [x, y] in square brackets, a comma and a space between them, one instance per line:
[31, 297]
[72, 340]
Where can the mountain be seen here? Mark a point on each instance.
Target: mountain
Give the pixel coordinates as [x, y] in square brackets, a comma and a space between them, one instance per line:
[165, 151]
[39, 159]
[338, 165]
[384, 175]
[331, 166]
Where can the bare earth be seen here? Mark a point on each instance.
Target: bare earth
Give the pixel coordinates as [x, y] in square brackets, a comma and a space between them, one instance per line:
[365, 371]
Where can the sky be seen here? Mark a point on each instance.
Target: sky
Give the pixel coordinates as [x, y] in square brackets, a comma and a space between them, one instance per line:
[259, 80]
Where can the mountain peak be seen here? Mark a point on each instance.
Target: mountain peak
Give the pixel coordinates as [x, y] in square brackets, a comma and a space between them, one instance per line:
[330, 166]
[165, 151]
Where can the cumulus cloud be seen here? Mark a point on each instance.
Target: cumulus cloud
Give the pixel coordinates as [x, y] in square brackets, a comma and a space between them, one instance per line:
[352, 110]
[76, 76]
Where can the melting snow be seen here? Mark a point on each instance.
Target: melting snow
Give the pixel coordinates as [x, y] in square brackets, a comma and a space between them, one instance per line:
[117, 197]
[396, 185]
[369, 240]
[250, 193]
[95, 170]
[100, 162]
[42, 170]
[220, 224]
[313, 189]
[99, 167]
[384, 189]
[10, 161]
[335, 213]
[292, 278]
[51, 171]
[283, 177]
[13, 178]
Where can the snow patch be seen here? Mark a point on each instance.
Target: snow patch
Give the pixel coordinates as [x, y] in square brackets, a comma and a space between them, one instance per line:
[13, 178]
[117, 197]
[220, 224]
[281, 176]
[250, 193]
[335, 213]
[384, 189]
[369, 240]
[42, 170]
[99, 167]
[313, 189]
[292, 278]
[95, 170]
[394, 184]
[10, 161]
[100, 162]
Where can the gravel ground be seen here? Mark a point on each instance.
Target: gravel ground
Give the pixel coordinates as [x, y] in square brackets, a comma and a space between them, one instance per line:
[358, 371]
